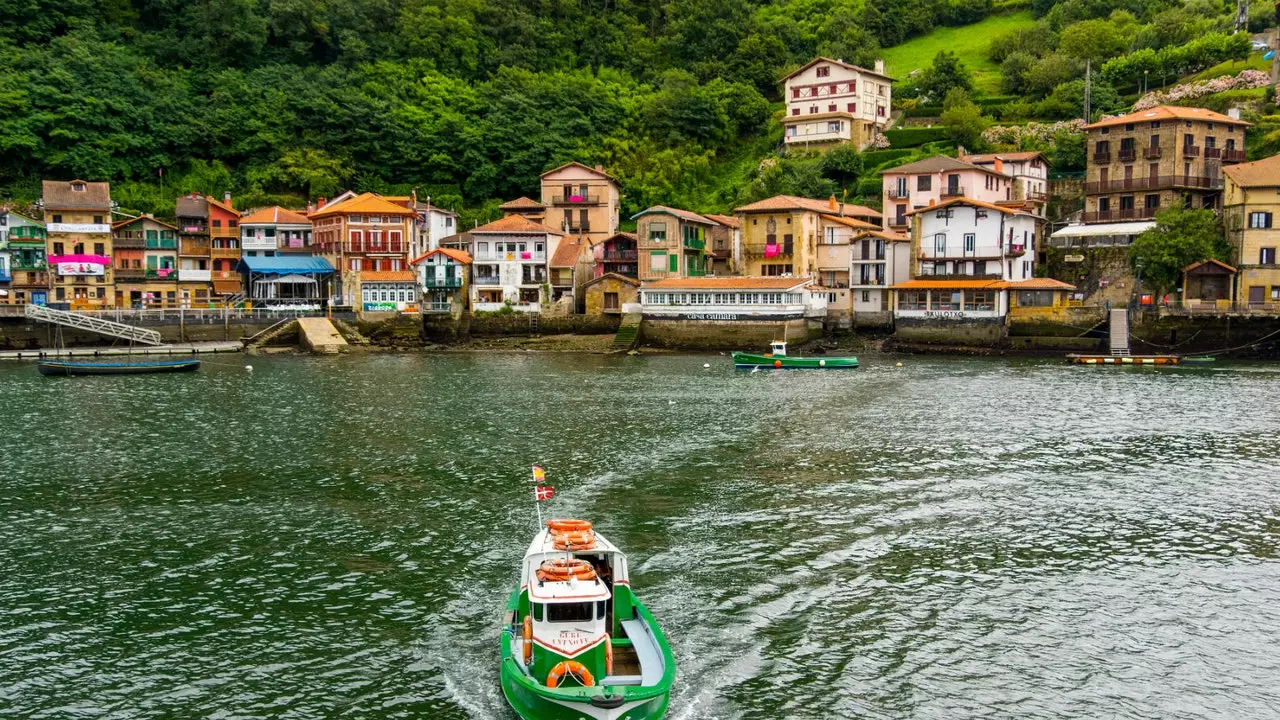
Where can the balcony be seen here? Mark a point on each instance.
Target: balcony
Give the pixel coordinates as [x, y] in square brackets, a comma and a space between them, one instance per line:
[695, 244]
[1037, 197]
[224, 252]
[1101, 216]
[18, 262]
[1127, 155]
[487, 280]
[1151, 153]
[194, 229]
[1153, 183]
[576, 200]
[1102, 158]
[162, 243]
[227, 282]
[621, 256]
[1212, 153]
[194, 275]
[1191, 150]
[437, 307]
[27, 233]
[1232, 156]
[224, 232]
[896, 194]
[192, 246]
[952, 191]
[1013, 251]
[445, 283]
[526, 256]
[162, 273]
[130, 274]
[127, 241]
[898, 222]
[387, 247]
[769, 250]
[582, 227]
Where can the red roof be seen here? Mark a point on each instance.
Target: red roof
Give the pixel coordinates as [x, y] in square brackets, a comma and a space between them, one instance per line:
[969, 201]
[516, 224]
[1167, 112]
[458, 255]
[275, 215]
[726, 220]
[363, 204]
[522, 203]
[599, 172]
[682, 214]
[567, 253]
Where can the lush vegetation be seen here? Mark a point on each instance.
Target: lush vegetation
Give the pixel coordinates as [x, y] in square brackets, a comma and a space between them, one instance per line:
[1181, 237]
[969, 44]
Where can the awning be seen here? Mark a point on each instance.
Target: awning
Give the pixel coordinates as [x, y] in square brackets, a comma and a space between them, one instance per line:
[286, 265]
[960, 284]
[287, 280]
[1103, 229]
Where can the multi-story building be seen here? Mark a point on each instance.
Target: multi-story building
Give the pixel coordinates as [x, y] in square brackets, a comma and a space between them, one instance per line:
[582, 202]
[857, 262]
[275, 231]
[224, 247]
[195, 279]
[365, 233]
[24, 241]
[831, 102]
[1251, 207]
[433, 223]
[938, 179]
[780, 234]
[1157, 158]
[6, 276]
[510, 259]
[1029, 170]
[444, 275]
[77, 217]
[618, 255]
[724, 244]
[672, 243]
[146, 263]
[564, 269]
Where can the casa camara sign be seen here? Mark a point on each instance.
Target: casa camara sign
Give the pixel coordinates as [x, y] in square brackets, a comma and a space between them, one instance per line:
[82, 269]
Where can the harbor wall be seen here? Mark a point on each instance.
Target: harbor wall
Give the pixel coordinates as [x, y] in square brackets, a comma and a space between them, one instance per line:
[971, 332]
[725, 334]
[23, 334]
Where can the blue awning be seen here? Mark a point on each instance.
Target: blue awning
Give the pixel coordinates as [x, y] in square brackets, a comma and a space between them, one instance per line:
[286, 265]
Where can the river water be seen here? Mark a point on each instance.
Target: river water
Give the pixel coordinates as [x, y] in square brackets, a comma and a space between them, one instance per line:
[335, 538]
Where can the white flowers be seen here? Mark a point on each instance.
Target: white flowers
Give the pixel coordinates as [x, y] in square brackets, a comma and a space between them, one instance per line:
[1245, 80]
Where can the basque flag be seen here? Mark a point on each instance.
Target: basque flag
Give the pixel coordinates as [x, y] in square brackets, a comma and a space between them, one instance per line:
[544, 493]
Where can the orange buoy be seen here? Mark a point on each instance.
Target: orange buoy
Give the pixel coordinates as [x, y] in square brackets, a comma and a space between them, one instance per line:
[527, 634]
[608, 656]
[574, 540]
[562, 570]
[777, 363]
[573, 668]
[569, 525]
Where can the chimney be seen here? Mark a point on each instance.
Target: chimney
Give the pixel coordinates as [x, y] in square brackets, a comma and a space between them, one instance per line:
[320, 201]
[960, 151]
[999, 166]
[879, 66]
[932, 202]
[832, 204]
[226, 198]
[600, 168]
[1234, 113]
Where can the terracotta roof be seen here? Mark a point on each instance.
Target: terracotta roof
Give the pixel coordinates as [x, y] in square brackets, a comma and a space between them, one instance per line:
[791, 202]
[970, 201]
[58, 195]
[522, 203]
[1259, 173]
[850, 222]
[458, 255]
[275, 215]
[566, 254]
[1167, 112]
[224, 206]
[515, 224]
[1009, 157]
[1041, 284]
[187, 206]
[629, 236]
[602, 173]
[1209, 261]
[951, 284]
[727, 283]
[363, 204]
[463, 238]
[682, 214]
[726, 220]
[883, 235]
[841, 63]
[129, 221]
[388, 276]
[936, 164]
[612, 276]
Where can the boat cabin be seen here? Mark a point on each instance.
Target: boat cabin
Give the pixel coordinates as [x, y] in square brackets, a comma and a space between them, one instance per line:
[777, 348]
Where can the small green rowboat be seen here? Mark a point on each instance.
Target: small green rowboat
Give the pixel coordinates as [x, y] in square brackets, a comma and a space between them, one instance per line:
[576, 643]
[778, 359]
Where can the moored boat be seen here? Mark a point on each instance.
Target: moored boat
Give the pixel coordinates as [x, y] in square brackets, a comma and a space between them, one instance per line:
[576, 642]
[777, 358]
[71, 367]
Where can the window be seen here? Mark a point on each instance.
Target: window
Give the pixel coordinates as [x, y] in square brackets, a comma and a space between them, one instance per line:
[1128, 127]
[233, 223]
[813, 109]
[940, 243]
[57, 218]
[1155, 124]
[834, 126]
[831, 107]
[99, 249]
[658, 231]
[924, 183]
[794, 111]
[880, 110]
[979, 300]
[217, 223]
[969, 242]
[852, 107]
[658, 262]
[823, 71]
[1152, 202]
[795, 93]
[1267, 256]
[1260, 220]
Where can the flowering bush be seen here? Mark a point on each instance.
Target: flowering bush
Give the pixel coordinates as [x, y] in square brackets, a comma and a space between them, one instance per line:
[1244, 81]
[1040, 133]
[879, 142]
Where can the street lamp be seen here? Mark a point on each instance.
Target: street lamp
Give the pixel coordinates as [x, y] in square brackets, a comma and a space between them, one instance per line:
[1145, 84]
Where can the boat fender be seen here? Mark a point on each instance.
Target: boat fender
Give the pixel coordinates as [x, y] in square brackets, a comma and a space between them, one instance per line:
[608, 700]
[527, 634]
[777, 363]
[822, 363]
[570, 667]
[608, 656]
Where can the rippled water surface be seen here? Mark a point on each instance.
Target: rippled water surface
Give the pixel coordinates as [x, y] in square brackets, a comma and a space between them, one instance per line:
[335, 538]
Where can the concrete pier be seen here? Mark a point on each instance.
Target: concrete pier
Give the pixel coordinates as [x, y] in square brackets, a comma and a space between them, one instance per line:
[199, 348]
[320, 336]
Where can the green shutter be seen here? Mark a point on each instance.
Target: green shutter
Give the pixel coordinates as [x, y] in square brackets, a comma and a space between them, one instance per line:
[151, 261]
[151, 234]
[675, 262]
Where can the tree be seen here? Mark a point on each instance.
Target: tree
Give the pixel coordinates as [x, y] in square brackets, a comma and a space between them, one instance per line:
[1181, 237]
[964, 120]
[1013, 72]
[947, 72]
[314, 172]
[1096, 40]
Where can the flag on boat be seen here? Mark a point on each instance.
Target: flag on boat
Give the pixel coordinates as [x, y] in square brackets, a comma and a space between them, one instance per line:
[544, 493]
[539, 475]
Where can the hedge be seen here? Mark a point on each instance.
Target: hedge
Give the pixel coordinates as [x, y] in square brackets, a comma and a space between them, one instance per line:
[915, 136]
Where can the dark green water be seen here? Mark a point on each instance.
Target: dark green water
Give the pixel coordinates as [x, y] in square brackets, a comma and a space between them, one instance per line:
[334, 538]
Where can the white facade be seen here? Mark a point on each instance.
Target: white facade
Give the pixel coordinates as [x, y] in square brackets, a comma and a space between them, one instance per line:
[730, 301]
[1029, 170]
[511, 269]
[833, 101]
[936, 180]
[954, 303]
[267, 240]
[969, 239]
[434, 224]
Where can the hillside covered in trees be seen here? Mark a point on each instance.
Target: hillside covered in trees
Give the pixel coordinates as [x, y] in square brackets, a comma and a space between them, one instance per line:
[467, 100]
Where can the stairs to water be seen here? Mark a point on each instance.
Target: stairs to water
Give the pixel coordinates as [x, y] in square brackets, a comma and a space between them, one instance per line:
[628, 333]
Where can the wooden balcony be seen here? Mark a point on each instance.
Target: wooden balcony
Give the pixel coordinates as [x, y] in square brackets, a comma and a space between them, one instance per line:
[194, 246]
[386, 247]
[1127, 155]
[1191, 150]
[225, 253]
[1232, 156]
[1151, 152]
[576, 200]
[1101, 216]
[128, 241]
[1102, 158]
[778, 249]
[1157, 182]
[952, 191]
[623, 256]
[224, 232]
[446, 283]
[1212, 153]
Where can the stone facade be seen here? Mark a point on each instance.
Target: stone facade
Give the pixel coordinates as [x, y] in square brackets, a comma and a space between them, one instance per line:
[607, 294]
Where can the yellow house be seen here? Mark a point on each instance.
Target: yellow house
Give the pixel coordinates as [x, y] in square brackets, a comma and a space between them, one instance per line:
[1040, 298]
[77, 215]
[780, 234]
[1251, 203]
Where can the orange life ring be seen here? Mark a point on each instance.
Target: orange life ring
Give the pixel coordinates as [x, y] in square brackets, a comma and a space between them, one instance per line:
[569, 525]
[574, 540]
[527, 634]
[608, 656]
[570, 667]
[561, 570]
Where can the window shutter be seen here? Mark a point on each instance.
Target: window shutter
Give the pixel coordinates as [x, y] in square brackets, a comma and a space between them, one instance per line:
[675, 262]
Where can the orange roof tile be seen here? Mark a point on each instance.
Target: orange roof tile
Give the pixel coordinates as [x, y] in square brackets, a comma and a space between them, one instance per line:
[566, 254]
[129, 221]
[388, 276]
[1259, 173]
[791, 202]
[851, 222]
[883, 235]
[726, 220]
[921, 284]
[970, 201]
[1041, 284]
[515, 224]
[1009, 156]
[1167, 112]
[612, 276]
[584, 167]
[522, 203]
[682, 214]
[461, 256]
[275, 215]
[727, 283]
[363, 204]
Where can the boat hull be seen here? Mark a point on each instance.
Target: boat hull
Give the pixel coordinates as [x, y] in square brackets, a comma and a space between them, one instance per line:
[533, 705]
[752, 360]
[57, 368]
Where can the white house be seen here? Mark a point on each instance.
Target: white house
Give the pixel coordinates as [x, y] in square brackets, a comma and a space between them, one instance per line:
[732, 298]
[830, 101]
[510, 264]
[269, 231]
[1029, 170]
[434, 224]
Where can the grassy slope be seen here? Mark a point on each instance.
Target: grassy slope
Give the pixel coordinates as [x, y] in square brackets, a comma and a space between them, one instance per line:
[969, 42]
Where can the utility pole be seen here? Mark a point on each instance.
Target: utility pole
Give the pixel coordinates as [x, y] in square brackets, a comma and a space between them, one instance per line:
[1242, 15]
[1087, 89]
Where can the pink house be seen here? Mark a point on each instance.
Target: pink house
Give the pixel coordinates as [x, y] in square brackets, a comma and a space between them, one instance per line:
[938, 179]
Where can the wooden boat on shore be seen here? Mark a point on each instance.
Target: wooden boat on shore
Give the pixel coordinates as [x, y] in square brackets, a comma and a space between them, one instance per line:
[73, 367]
[576, 642]
[778, 359]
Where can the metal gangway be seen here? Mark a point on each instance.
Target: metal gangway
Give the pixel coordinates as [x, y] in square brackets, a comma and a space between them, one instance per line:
[93, 324]
[1119, 331]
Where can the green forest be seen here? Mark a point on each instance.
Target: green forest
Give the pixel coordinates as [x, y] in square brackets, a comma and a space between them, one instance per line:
[470, 100]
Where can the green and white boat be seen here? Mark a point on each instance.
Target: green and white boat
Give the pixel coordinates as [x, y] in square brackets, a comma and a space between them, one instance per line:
[778, 359]
[576, 643]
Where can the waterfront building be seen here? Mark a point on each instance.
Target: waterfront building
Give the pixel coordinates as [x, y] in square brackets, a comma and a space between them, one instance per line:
[835, 263]
[1041, 299]
[713, 311]
[460, 241]
[568, 269]
[1251, 209]
[525, 207]
[511, 257]
[388, 291]
[361, 234]
[1209, 283]
[780, 234]
[273, 231]
[618, 255]
[672, 242]
[1029, 170]
[724, 245]
[224, 248]
[77, 216]
[938, 179]
[433, 223]
[195, 279]
[292, 280]
[26, 280]
[607, 294]
[582, 202]
[146, 263]
[444, 275]
[829, 102]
